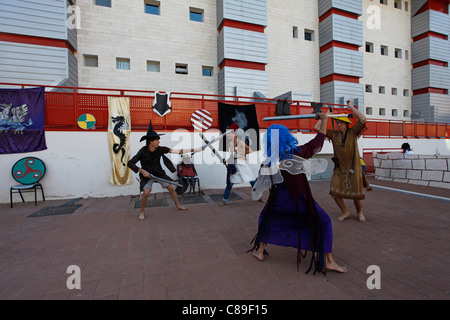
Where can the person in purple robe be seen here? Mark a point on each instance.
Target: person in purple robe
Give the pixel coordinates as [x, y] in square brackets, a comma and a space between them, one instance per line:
[291, 216]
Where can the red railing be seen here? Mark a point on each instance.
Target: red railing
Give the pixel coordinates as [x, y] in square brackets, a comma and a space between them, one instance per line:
[64, 105]
[407, 129]
[62, 109]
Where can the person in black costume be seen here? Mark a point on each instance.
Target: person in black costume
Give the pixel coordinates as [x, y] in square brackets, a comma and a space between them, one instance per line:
[150, 159]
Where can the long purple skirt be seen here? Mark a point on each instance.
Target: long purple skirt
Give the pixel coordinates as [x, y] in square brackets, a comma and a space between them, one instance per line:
[282, 226]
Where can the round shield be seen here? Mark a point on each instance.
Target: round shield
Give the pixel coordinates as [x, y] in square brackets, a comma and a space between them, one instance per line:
[28, 170]
[86, 121]
[201, 120]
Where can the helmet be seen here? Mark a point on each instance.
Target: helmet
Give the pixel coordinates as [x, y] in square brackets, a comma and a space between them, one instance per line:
[344, 119]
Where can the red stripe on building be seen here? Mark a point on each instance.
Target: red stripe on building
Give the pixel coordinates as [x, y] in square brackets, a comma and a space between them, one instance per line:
[242, 64]
[338, 12]
[339, 77]
[18, 38]
[339, 45]
[430, 34]
[440, 6]
[241, 25]
[430, 90]
[430, 61]
[436, 5]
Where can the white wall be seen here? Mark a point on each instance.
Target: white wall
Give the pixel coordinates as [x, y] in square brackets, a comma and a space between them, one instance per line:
[126, 31]
[293, 62]
[79, 165]
[394, 32]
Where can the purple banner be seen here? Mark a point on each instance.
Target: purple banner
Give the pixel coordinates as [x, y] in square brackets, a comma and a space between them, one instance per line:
[22, 120]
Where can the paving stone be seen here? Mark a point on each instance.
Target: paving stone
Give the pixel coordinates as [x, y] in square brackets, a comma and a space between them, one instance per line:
[202, 254]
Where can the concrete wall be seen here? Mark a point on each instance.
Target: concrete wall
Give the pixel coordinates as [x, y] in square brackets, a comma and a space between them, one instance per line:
[426, 170]
[126, 31]
[293, 62]
[387, 71]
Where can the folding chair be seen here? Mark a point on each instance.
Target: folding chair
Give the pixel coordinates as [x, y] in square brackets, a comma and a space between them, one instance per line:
[187, 177]
[28, 172]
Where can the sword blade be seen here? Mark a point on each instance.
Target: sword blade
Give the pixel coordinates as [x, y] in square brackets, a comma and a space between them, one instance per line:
[215, 139]
[303, 116]
[212, 148]
[165, 180]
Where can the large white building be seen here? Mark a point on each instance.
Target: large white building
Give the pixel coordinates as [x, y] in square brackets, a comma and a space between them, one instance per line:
[390, 55]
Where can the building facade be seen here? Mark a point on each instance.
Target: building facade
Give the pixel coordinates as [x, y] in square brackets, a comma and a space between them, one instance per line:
[38, 43]
[390, 56]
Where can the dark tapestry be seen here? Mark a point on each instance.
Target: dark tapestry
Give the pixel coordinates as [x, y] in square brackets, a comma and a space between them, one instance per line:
[22, 120]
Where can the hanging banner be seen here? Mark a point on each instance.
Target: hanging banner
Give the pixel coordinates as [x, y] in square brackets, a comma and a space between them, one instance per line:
[243, 116]
[22, 120]
[119, 130]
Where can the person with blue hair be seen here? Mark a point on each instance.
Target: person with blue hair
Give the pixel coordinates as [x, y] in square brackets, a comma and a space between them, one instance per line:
[291, 216]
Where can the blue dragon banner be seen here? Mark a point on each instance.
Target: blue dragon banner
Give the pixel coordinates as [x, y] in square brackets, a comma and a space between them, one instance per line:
[22, 120]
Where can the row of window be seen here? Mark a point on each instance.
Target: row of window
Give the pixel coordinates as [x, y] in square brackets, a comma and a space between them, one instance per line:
[370, 111]
[308, 34]
[196, 14]
[384, 51]
[152, 66]
[397, 4]
[382, 90]
[181, 68]
[154, 7]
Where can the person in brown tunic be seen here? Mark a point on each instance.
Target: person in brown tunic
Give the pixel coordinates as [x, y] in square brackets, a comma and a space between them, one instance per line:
[347, 181]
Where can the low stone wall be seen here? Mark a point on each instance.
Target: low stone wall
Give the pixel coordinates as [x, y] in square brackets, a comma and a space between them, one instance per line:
[426, 170]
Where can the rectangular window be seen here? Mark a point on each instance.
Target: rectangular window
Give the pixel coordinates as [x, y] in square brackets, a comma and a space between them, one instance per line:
[394, 112]
[152, 7]
[369, 47]
[398, 53]
[381, 90]
[153, 66]
[368, 88]
[309, 35]
[295, 32]
[384, 2]
[384, 50]
[405, 92]
[406, 6]
[394, 91]
[369, 111]
[382, 112]
[398, 4]
[90, 60]
[406, 54]
[103, 3]
[123, 63]
[406, 113]
[196, 14]
[207, 71]
[181, 68]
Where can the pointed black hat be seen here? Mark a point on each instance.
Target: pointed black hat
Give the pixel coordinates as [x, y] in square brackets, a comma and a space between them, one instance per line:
[151, 135]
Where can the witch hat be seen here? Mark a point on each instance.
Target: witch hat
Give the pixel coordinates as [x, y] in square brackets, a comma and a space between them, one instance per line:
[151, 135]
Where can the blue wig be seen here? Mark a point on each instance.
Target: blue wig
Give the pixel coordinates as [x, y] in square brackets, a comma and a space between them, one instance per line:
[286, 142]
